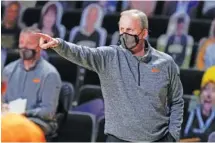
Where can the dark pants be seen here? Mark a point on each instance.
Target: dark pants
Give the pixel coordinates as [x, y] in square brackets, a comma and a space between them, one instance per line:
[48, 128]
[167, 138]
[111, 138]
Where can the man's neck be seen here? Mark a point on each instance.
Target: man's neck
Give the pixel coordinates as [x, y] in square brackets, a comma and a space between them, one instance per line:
[139, 50]
[28, 64]
[139, 53]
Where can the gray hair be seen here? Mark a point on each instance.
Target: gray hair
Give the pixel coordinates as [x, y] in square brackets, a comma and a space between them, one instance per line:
[31, 29]
[140, 14]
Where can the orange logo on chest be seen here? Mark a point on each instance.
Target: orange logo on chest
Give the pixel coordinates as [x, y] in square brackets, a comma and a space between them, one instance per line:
[36, 80]
[155, 70]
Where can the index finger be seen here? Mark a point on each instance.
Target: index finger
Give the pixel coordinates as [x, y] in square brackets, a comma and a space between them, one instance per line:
[44, 36]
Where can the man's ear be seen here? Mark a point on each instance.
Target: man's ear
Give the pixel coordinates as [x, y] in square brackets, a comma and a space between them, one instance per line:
[146, 33]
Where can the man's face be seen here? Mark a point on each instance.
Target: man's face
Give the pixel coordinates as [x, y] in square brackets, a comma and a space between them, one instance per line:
[180, 28]
[208, 96]
[49, 18]
[92, 16]
[28, 40]
[12, 12]
[129, 24]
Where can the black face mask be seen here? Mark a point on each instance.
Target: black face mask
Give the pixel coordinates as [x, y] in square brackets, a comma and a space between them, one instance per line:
[129, 41]
[27, 54]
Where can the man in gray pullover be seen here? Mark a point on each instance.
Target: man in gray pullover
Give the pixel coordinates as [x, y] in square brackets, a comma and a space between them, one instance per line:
[141, 86]
[32, 78]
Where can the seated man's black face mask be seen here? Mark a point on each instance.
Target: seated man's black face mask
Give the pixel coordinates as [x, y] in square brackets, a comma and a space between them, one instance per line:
[27, 54]
[129, 41]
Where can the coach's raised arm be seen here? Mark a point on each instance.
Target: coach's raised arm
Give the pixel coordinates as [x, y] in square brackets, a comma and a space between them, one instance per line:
[140, 85]
[90, 58]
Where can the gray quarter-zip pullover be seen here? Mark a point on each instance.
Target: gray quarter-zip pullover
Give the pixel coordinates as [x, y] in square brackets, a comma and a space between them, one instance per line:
[142, 95]
[40, 86]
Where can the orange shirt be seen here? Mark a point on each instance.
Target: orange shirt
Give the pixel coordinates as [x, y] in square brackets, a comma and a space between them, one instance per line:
[17, 128]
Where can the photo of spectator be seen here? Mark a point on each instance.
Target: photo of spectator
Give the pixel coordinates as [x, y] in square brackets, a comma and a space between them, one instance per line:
[90, 33]
[201, 118]
[50, 22]
[177, 43]
[205, 56]
[210, 56]
[10, 27]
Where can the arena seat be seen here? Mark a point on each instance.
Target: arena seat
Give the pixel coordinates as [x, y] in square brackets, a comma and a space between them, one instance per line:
[31, 16]
[12, 55]
[157, 25]
[2, 10]
[111, 19]
[78, 127]
[67, 69]
[191, 80]
[194, 54]
[101, 137]
[91, 78]
[65, 100]
[71, 19]
[88, 92]
[199, 29]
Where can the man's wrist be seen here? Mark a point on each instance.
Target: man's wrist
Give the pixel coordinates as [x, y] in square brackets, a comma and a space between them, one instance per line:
[58, 41]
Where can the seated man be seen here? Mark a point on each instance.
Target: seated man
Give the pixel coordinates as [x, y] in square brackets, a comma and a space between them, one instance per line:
[201, 120]
[34, 79]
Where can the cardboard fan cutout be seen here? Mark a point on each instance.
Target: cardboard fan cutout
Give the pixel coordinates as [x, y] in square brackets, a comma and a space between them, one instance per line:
[206, 56]
[176, 42]
[89, 32]
[50, 20]
[11, 25]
